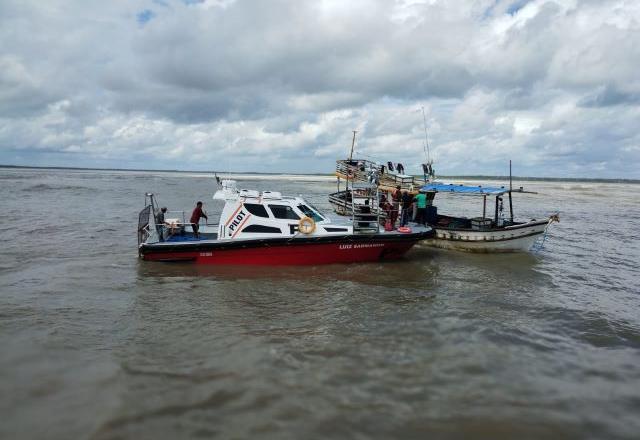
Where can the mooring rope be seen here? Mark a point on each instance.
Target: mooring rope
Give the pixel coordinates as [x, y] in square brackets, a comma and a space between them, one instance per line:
[539, 243]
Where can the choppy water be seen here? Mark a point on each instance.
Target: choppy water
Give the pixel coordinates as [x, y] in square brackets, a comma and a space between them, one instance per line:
[97, 344]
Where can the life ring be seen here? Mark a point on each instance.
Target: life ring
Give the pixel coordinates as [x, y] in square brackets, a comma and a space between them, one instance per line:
[306, 225]
[404, 229]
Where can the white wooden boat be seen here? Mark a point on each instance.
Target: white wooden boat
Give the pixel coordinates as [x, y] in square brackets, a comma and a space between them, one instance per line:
[498, 233]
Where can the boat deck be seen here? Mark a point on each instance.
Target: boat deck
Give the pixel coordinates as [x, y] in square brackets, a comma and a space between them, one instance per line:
[188, 236]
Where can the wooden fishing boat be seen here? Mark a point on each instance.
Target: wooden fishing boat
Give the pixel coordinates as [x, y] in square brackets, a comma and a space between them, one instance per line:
[495, 233]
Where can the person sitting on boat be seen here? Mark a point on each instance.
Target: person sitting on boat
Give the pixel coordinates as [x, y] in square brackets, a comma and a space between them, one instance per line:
[407, 202]
[195, 218]
[421, 207]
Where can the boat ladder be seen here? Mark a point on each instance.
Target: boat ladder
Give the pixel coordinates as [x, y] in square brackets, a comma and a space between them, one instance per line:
[365, 217]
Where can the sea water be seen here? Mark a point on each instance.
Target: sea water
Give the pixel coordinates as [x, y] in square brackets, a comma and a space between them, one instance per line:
[96, 343]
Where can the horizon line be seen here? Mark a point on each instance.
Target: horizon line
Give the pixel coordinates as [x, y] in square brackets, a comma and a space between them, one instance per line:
[460, 176]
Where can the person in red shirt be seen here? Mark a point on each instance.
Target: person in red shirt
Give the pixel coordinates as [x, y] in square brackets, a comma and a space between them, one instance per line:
[195, 218]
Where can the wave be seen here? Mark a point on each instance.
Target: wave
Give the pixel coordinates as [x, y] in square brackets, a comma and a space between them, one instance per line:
[47, 187]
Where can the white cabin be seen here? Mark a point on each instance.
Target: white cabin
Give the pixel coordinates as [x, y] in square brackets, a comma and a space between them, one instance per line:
[250, 214]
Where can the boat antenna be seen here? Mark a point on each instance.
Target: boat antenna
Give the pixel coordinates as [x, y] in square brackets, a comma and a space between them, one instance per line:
[425, 147]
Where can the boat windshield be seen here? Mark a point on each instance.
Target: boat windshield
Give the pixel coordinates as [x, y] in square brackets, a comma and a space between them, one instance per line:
[310, 213]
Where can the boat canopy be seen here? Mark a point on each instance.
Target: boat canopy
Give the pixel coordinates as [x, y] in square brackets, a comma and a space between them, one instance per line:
[465, 189]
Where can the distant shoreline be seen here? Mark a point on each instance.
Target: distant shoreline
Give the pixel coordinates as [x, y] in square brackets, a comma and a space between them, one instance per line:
[253, 173]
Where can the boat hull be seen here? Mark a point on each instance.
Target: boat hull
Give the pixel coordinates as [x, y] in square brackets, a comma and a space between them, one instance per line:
[358, 248]
[519, 238]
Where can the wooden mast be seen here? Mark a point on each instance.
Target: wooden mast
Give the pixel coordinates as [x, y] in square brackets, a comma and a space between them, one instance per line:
[510, 189]
[484, 206]
[353, 142]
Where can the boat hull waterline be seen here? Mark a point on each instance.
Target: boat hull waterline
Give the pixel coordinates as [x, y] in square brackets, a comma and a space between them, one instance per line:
[519, 238]
[289, 252]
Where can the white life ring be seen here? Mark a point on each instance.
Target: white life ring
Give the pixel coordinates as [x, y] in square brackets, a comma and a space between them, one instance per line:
[306, 225]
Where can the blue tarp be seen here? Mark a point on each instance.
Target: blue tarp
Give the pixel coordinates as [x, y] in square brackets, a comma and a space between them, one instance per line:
[463, 189]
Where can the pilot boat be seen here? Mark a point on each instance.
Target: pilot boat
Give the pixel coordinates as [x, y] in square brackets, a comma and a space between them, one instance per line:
[267, 228]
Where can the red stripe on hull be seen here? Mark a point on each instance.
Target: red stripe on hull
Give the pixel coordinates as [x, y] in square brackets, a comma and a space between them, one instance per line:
[289, 255]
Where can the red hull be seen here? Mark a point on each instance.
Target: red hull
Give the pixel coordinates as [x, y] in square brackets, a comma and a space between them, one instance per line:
[292, 254]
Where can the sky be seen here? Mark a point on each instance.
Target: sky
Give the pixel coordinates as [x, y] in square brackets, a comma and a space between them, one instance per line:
[280, 85]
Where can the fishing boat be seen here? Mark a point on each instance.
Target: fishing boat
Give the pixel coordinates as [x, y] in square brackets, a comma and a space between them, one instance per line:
[478, 234]
[495, 233]
[267, 228]
[384, 177]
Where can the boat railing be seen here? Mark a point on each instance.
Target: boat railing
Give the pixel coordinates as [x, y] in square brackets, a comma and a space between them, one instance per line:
[354, 170]
[174, 217]
[362, 170]
[178, 219]
[143, 224]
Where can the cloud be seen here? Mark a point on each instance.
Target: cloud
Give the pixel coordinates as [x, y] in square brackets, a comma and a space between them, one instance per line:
[280, 85]
[609, 95]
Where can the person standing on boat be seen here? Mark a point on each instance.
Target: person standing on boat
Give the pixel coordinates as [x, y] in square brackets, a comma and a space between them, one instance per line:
[160, 222]
[407, 202]
[421, 207]
[387, 209]
[195, 218]
[396, 196]
[160, 216]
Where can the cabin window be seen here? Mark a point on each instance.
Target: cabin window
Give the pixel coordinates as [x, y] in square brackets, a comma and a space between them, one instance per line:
[261, 229]
[335, 229]
[310, 213]
[284, 212]
[256, 209]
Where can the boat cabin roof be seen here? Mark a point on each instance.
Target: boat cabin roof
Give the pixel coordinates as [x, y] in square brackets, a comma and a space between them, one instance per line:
[481, 190]
[273, 199]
